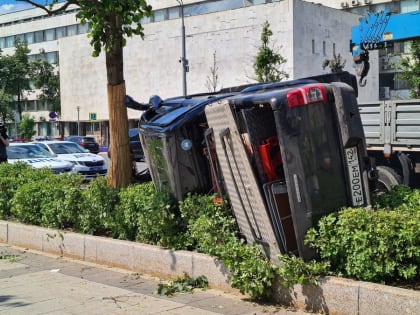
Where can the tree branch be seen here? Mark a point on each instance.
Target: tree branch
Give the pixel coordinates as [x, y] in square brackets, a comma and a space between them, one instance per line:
[48, 8]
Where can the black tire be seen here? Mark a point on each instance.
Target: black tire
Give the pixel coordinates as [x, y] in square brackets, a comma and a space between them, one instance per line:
[387, 177]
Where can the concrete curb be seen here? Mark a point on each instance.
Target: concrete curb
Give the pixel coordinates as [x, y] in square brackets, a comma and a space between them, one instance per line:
[332, 296]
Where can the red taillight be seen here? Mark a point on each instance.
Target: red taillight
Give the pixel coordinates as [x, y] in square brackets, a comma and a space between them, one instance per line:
[309, 94]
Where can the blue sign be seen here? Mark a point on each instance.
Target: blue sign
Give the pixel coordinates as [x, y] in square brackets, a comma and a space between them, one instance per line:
[92, 117]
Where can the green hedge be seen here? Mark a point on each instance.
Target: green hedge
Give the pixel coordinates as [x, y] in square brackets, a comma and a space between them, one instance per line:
[381, 244]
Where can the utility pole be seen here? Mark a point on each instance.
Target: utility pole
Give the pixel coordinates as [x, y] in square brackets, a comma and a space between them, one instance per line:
[78, 120]
[183, 60]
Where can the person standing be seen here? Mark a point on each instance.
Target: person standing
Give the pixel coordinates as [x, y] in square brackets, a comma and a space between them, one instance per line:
[4, 142]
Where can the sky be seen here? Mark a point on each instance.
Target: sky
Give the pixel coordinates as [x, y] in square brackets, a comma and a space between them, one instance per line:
[8, 6]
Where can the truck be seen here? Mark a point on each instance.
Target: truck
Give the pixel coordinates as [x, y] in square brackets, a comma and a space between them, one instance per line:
[284, 154]
[392, 127]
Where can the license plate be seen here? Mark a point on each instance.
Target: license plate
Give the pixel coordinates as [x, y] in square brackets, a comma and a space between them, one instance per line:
[356, 187]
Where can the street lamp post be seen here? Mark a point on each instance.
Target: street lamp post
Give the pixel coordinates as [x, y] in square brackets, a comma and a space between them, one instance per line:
[78, 120]
[184, 60]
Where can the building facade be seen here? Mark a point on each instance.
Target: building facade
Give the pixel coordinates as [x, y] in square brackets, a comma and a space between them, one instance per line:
[225, 33]
[390, 87]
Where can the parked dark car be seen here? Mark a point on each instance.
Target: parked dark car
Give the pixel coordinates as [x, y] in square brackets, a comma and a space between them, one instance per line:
[136, 148]
[87, 142]
[135, 145]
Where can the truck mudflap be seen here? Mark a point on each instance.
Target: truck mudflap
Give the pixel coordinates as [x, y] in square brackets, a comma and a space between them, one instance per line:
[240, 181]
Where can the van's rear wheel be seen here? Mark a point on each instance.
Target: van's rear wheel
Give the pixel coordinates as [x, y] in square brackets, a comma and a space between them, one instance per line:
[387, 177]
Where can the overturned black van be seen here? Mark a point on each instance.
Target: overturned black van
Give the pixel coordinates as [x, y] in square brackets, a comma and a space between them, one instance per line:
[285, 153]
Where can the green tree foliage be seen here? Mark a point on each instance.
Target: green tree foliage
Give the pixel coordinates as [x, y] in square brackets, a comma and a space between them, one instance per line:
[336, 63]
[47, 79]
[267, 62]
[410, 69]
[6, 113]
[110, 23]
[26, 127]
[16, 72]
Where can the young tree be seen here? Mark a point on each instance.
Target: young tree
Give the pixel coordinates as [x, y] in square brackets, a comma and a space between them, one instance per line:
[213, 78]
[336, 63]
[267, 62]
[47, 79]
[16, 73]
[26, 127]
[410, 69]
[110, 22]
[6, 113]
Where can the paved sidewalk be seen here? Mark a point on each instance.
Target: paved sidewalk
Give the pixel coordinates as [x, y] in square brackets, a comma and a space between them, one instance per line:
[34, 283]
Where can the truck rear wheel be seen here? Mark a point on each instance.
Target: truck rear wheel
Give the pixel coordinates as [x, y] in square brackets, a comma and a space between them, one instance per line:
[387, 177]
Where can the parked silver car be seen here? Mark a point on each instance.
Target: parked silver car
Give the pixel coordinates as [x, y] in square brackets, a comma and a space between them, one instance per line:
[37, 157]
[85, 163]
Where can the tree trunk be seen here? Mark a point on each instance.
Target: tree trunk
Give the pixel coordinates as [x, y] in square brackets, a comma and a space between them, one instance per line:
[120, 168]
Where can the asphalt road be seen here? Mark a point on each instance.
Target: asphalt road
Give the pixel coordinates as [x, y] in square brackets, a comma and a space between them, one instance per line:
[140, 165]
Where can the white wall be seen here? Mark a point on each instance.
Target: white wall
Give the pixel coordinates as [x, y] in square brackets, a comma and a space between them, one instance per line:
[152, 65]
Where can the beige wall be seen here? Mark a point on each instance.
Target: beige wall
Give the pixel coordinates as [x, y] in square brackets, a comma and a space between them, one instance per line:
[152, 65]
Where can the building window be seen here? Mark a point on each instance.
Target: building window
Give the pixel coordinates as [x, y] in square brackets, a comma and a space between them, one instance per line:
[50, 34]
[409, 5]
[41, 105]
[50, 107]
[362, 10]
[146, 20]
[21, 37]
[203, 7]
[401, 84]
[174, 13]
[72, 30]
[83, 29]
[39, 36]
[60, 32]
[214, 6]
[13, 105]
[10, 41]
[159, 15]
[29, 38]
[30, 106]
[52, 57]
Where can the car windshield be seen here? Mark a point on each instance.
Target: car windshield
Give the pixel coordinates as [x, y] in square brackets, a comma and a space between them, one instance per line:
[90, 140]
[133, 134]
[26, 152]
[66, 148]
